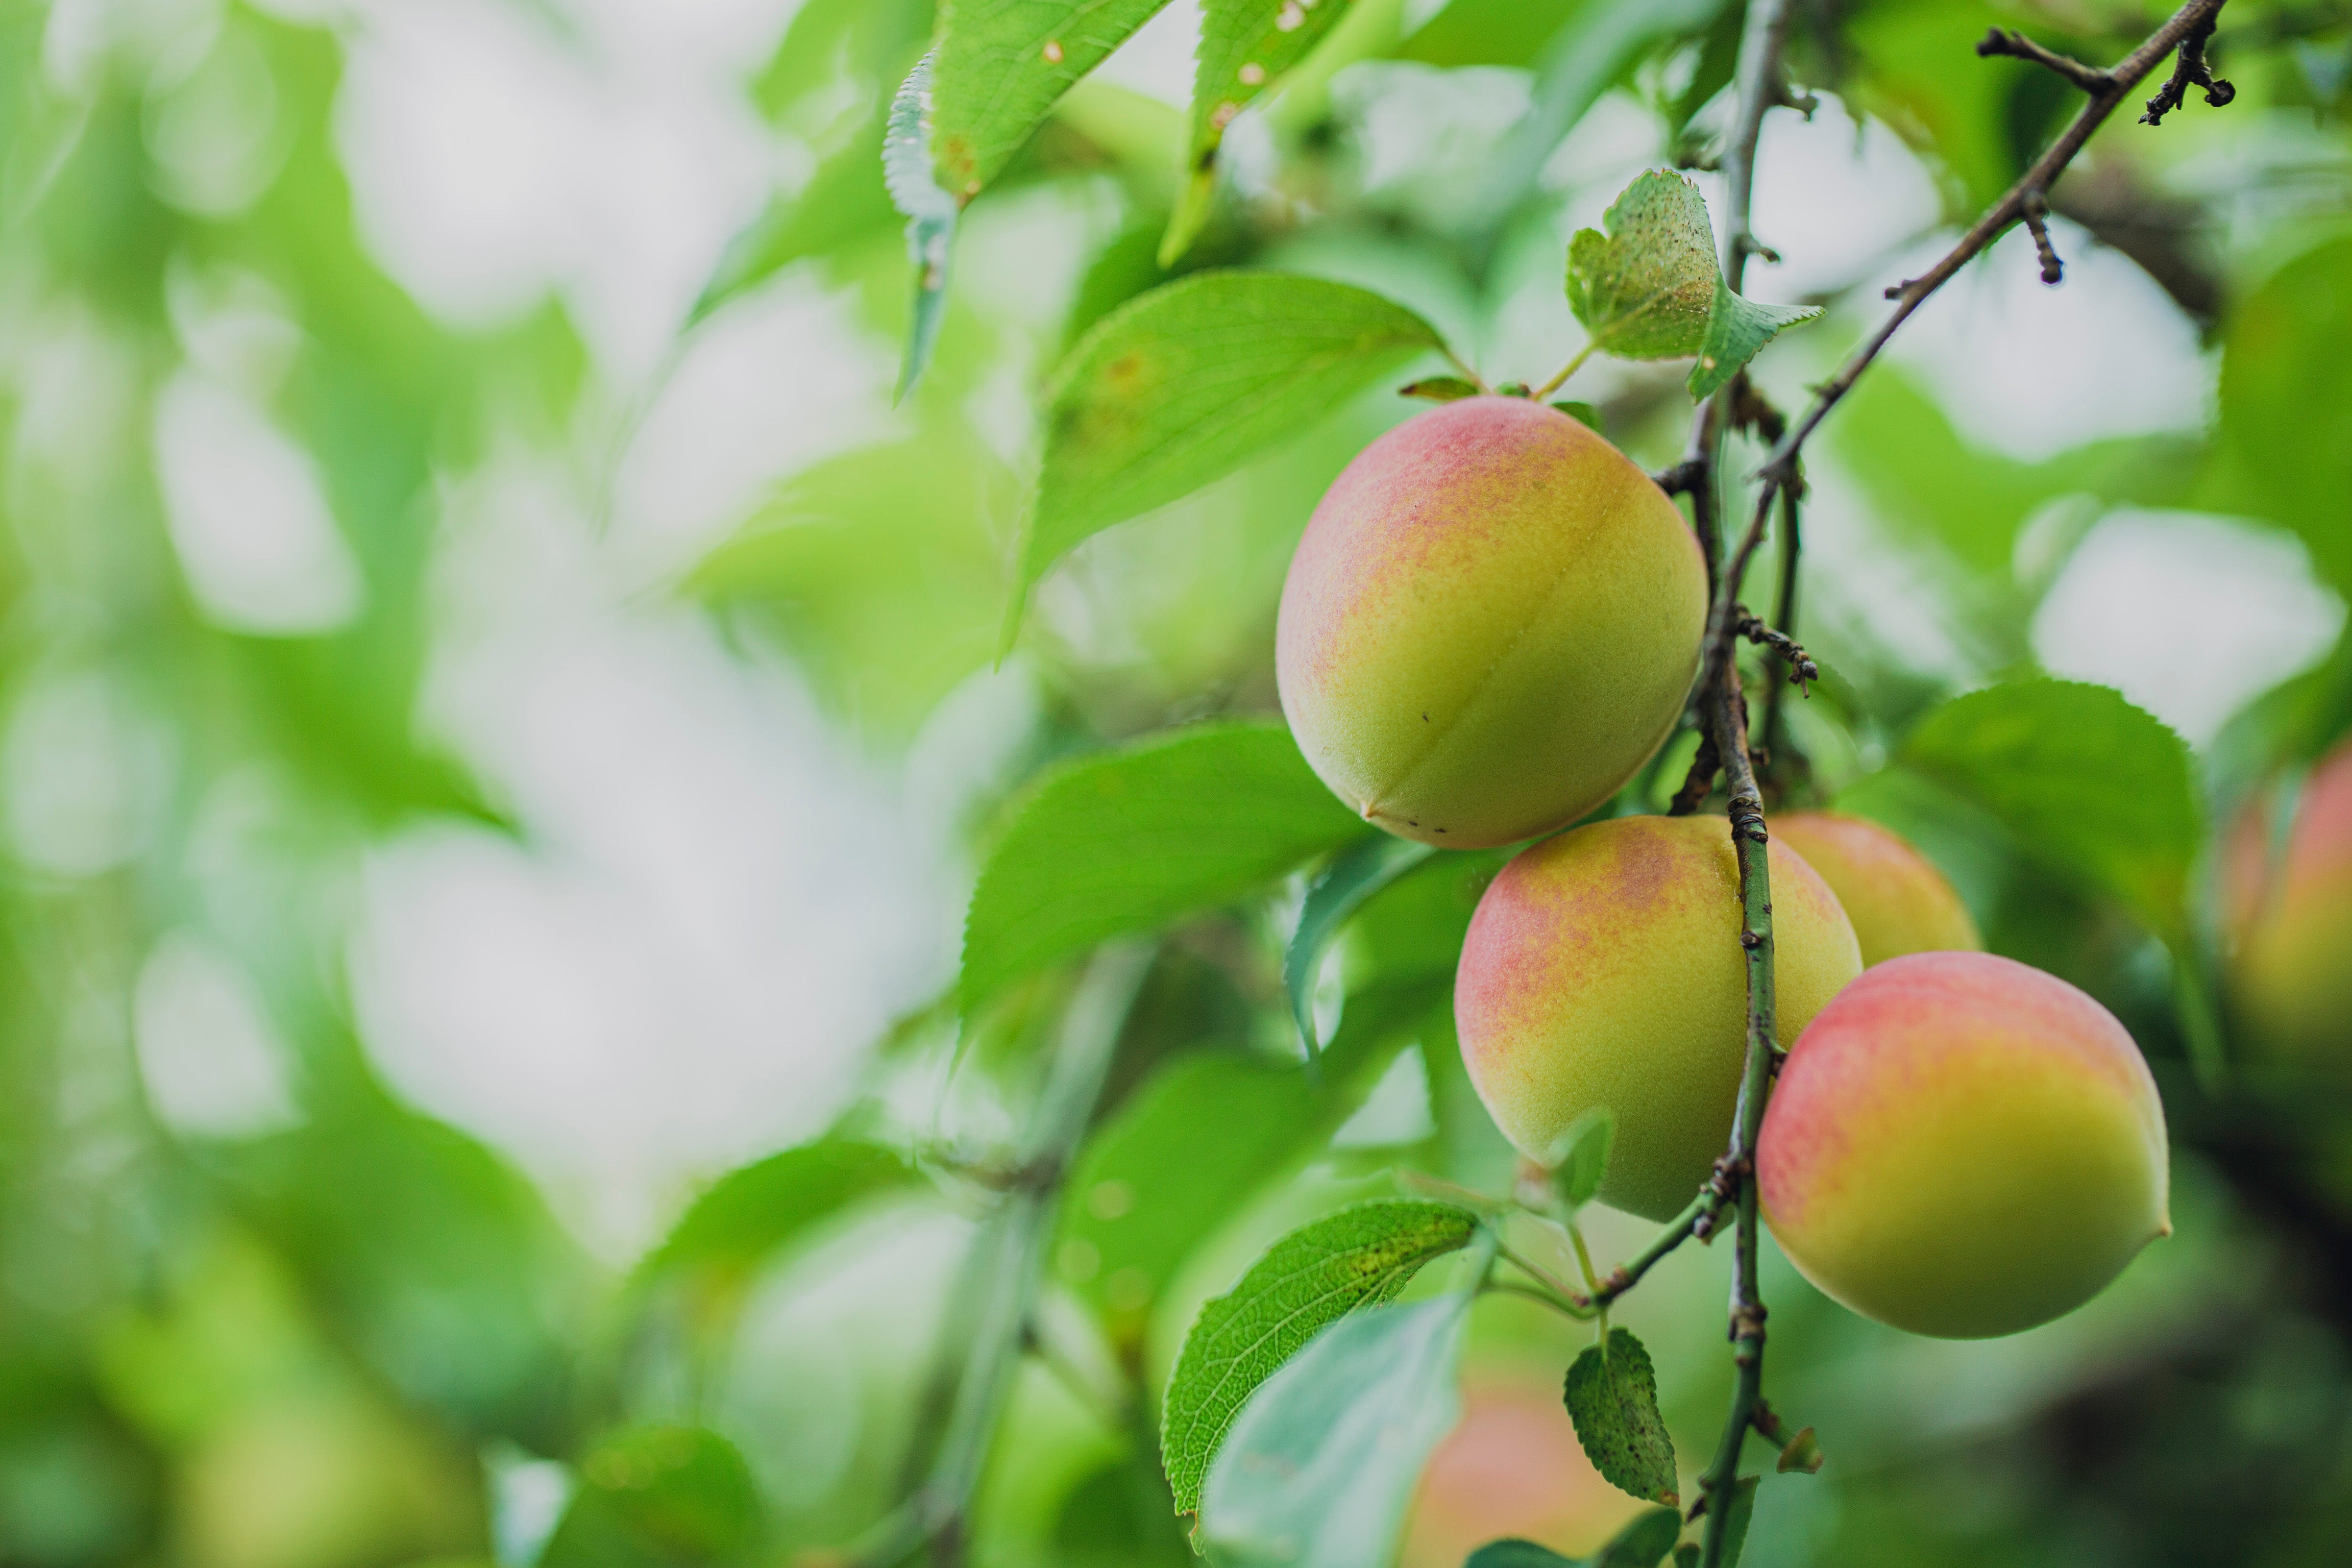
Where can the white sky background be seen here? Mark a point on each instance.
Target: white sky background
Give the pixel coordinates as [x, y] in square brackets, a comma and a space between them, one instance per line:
[717, 903]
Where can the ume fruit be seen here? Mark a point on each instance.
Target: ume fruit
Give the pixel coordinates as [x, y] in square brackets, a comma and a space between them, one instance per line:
[1896, 897]
[1963, 1146]
[1491, 622]
[1604, 968]
[2290, 923]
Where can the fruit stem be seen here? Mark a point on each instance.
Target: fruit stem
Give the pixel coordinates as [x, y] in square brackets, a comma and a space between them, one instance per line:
[1571, 368]
[1569, 1295]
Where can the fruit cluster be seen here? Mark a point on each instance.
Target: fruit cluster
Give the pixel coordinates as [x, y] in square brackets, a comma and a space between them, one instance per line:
[1492, 623]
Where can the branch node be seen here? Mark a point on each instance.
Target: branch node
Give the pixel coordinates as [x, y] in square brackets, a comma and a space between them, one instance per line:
[2035, 210]
[2017, 46]
[1751, 246]
[1682, 478]
[2189, 69]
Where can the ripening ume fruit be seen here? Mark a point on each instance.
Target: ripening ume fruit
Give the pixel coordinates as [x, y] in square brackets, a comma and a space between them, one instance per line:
[1604, 968]
[1896, 897]
[1963, 1146]
[1491, 622]
[2289, 906]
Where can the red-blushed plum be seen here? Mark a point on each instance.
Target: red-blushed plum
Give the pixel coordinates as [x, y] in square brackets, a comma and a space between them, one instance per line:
[1896, 897]
[1604, 968]
[1490, 624]
[1962, 1145]
[2289, 924]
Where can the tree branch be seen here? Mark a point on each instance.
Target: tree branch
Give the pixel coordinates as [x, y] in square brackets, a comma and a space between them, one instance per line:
[2090, 79]
[2194, 19]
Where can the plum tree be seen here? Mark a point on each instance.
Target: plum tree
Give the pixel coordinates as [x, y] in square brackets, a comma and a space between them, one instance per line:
[1962, 1145]
[2289, 921]
[1896, 897]
[1602, 969]
[1491, 622]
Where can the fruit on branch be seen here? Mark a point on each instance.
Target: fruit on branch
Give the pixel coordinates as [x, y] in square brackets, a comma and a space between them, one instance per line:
[1603, 967]
[1491, 622]
[1963, 1146]
[1896, 897]
[2288, 899]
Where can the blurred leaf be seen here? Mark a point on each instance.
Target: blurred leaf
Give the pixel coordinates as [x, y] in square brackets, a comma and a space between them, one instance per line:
[1910, 63]
[1186, 383]
[1320, 1465]
[1649, 288]
[1001, 65]
[1597, 49]
[753, 1213]
[1129, 839]
[1583, 414]
[930, 214]
[2090, 785]
[1582, 1156]
[656, 1495]
[1644, 1543]
[881, 568]
[1118, 1517]
[2286, 402]
[1803, 1453]
[1613, 1397]
[1320, 1272]
[1355, 876]
[1488, 32]
[1920, 473]
[1742, 1513]
[1199, 1139]
[1245, 47]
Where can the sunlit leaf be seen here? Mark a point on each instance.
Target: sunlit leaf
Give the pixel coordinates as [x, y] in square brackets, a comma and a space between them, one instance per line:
[931, 212]
[1359, 1257]
[1127, 839]
[1001, 64]
[1185, 384]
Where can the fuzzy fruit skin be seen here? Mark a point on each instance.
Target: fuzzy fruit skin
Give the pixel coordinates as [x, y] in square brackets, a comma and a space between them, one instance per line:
[2289, 921]
[1490, 624]
[1963, 1146]
[1603, 967]
[1896, 897]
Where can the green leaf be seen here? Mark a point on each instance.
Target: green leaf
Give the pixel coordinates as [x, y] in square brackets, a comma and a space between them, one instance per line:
[1321, 1465]
[1130, 839]
[2286, 402]
[1803, 1453]
[1612, 1398]
[1201, 1137]
[655, 1496]
[2091, 786]
[1002, 64]
[931, 212]
[1649, 288]
[1245, 47]
[1355, 876]
[1687, 1554]
[1439, 389]
[1320, 1272]
[1581, 1156]
[753, 1213]
[1737, 329]
[1644, 1543]
[1583, 413]
[1741, 1514]
[1186, 383]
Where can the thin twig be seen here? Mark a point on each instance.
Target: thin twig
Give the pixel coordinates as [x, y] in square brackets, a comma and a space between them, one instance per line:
[1803, 670]
[2195, 17]
[2189, 69]
[1997, 41]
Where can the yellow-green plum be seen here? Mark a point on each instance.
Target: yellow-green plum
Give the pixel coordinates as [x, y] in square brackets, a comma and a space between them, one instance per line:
[1490, 624]
[1604, 968]
[2289, 922]
[1963, 1146]
[1896, 897]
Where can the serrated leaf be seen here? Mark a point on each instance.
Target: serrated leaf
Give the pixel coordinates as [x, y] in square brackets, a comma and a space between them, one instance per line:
[1650, 288]
[1644, 1543]
[2091, 786]
[1581, 1156]
[1127, 839]
[1319, 1466]
[1003, 64]
[1245, 47]
[1439, 389]
[931, 212]
[1184, 384]
[1612, 1398]
[1320, 1272]
[1737, 329]
[1353, 877]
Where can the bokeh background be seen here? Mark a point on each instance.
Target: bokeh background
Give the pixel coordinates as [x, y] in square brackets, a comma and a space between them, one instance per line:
[498, 711]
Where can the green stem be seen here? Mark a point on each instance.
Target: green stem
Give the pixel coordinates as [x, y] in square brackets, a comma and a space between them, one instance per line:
[1571, 368]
